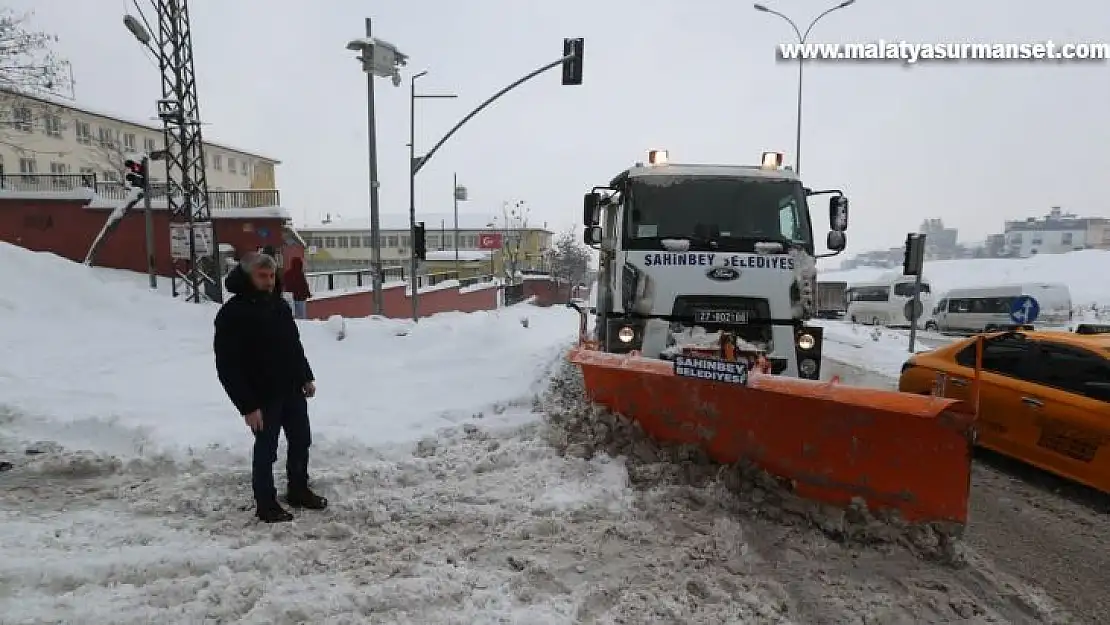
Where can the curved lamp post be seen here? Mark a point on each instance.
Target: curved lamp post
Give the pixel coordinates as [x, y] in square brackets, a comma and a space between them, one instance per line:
[802, 38]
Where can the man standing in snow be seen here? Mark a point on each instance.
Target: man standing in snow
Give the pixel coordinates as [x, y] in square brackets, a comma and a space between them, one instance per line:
[262, 366]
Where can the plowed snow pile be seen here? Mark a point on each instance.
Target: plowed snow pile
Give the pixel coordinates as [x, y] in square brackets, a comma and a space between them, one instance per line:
[454, 499]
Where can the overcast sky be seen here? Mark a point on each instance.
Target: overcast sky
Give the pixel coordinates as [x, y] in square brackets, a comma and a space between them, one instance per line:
[969, 143]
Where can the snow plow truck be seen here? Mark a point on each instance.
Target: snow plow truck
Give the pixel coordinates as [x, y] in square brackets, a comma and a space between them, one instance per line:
[707, 284]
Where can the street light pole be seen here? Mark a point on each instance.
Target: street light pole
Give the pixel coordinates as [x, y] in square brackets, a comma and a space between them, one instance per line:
[802, 38]
[379, 59]
[375, 212]
[414, 166]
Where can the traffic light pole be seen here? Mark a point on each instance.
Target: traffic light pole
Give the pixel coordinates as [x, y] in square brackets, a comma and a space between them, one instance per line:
[573, 53]
[148, 216]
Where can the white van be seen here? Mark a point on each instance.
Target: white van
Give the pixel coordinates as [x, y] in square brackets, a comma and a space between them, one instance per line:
[988, 308]
[887, 301]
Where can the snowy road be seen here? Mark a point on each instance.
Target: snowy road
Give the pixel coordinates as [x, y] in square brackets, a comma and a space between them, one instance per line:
[478, 525]
[1036, 528]
[467, 488]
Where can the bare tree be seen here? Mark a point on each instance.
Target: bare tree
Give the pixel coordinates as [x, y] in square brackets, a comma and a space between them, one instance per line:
[570, 260]
[515, 225]
[30, 76]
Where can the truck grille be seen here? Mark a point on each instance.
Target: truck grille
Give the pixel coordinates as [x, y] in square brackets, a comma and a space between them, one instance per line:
[757, 310]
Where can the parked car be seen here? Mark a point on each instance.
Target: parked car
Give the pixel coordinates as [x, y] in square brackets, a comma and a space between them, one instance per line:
[1044, 397]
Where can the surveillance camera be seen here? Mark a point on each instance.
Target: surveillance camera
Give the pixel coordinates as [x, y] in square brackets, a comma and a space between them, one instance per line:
[396, 80]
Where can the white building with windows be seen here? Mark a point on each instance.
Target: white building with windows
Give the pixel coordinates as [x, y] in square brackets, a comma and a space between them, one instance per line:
[49, 136]
[1055, 233]
[346, 243]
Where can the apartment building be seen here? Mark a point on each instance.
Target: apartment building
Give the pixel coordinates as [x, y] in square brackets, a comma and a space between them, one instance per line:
[346, 243]
[49, 136]
[1054, 233]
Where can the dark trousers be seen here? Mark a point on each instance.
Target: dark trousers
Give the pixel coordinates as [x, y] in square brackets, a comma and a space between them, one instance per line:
[289, 414]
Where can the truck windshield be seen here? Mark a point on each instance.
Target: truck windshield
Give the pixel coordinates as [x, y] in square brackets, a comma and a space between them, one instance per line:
[716, 213]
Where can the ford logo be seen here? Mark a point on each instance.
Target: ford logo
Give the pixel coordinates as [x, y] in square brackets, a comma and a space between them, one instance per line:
[722, 274]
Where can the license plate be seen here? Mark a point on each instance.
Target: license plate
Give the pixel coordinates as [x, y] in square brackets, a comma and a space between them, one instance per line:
[721, 316]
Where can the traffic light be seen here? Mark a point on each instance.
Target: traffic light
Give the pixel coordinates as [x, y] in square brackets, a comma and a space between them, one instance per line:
[419, 245]
[572, 67]
[136, 173]
[914, 255]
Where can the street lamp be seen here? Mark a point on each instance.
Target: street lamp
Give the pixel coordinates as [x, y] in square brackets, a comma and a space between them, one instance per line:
[414, 165]
[460, 195]
[802, 38]
[379, 59]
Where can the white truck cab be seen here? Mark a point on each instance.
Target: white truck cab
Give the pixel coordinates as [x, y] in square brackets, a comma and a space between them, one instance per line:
[689, 251]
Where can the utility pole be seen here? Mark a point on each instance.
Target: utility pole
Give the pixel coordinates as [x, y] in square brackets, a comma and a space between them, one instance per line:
[459, 194]
[375, 215]
[186, 180]
[379, 59]
[415, 164]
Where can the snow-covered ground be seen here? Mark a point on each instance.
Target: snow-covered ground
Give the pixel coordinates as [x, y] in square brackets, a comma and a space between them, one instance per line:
[470, 483]
[1078, 270]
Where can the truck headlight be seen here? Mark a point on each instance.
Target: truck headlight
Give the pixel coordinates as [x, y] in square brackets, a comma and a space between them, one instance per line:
[626, 334]
[806, 342]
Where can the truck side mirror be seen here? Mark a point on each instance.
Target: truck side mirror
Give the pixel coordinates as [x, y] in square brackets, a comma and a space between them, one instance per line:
[592, 235]
[838, 213]
[836, 241]
[591, 207]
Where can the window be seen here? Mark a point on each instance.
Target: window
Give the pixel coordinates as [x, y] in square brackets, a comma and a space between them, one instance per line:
[1069, 369]
[342, 242]
[59, 169]
[84, 134]
[356, 241]
[149, 145]
[870, 294]
[404, 241]
[218, 162]
[905, 289]
[329, 242]
[367, 241]
[53, 125]
[246, 168]
[1065, 239]
[28, 166]
[88, 175]
[23, 118]
[129, 142]
[722, 214]
[433, 242]
[391, 240]
[1007, 355]
[111, 175]
[231, 165]
[980, 305]
[106, 137]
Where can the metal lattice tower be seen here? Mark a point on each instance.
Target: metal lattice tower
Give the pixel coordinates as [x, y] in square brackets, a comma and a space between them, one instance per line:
[187, 184]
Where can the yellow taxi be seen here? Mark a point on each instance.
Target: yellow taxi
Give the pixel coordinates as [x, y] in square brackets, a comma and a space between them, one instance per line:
[1044, 398]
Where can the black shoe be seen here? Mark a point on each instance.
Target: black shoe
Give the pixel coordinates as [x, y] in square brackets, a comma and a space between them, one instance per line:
[273, 513]
[305, 498]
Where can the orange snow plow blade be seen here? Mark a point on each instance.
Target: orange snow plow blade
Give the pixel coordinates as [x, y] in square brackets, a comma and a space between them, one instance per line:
[896, 451]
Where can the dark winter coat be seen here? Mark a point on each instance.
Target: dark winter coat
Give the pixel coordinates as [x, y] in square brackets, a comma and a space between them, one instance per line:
[296, 283]
[259, 356]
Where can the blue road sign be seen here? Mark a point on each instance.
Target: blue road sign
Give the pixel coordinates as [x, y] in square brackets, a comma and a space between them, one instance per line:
[1024, 310]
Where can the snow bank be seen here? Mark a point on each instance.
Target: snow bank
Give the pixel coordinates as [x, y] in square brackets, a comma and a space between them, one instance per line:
[1078, 270]
[106, 365]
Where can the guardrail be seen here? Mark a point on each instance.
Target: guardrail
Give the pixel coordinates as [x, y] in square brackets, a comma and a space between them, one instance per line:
[323, 281]
[217, 200]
